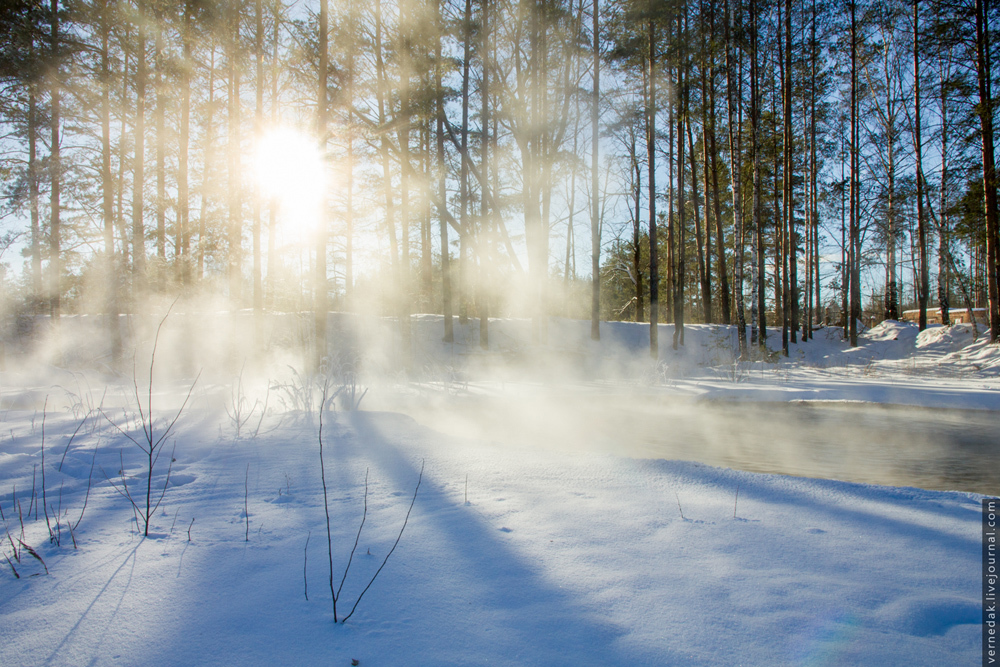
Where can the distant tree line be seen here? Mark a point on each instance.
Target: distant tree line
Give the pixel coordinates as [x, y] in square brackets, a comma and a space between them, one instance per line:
[749, 162]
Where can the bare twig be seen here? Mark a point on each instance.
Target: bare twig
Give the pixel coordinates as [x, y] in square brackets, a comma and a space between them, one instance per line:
[45, 506]
[326, 501]
[246, 505]
[267, 397]
[66, 450]
[736, 502]
[305, 563]
[364, 517]
[31, 504]
[395, 544]
[90, 479]
[152, 442]
[679, 505]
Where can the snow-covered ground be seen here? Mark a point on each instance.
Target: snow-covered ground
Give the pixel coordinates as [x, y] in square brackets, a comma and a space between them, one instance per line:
[519, 550]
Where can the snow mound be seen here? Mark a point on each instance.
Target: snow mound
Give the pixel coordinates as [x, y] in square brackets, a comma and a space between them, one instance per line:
[926, 616]
[945, 339]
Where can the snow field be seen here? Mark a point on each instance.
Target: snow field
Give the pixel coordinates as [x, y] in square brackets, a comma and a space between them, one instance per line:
[556, 559]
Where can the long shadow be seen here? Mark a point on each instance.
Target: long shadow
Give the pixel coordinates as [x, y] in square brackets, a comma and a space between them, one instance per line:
[548, 623]
[772, 494]
[129, 557]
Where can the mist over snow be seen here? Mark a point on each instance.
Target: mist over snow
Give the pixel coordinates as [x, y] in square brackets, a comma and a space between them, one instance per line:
[579, 503]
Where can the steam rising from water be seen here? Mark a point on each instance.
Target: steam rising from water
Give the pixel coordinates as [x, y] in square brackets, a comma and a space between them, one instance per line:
[577, 396]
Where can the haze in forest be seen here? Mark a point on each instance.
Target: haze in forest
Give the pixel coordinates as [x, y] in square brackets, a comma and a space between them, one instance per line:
[764, 165]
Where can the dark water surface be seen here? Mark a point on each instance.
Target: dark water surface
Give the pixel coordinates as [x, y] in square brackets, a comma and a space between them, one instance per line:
[940, 449]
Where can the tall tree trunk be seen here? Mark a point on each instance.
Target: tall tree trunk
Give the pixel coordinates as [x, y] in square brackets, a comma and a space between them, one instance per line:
[595, 222]
[349, 186]
[429, 182]
[680, 249]
[637, 234]
[923, 289]
[183, 195]
[403, 137]
[791, 233]
[208, 160]
[161, 151]
[55, 170]
[711, 166]
[845, 251]
[322, 124]
[464, 195]
[37, 286]
[258, 283]
[107, 189]
[442, 167]
[814, 168]
[122, 159]
[654, 270]
[984, 75]
[701, 238]
[778, 213]
[235, 249]
[944, 250]
[485, 230]
[758, 328]
[734, 97]
[855, 233]
[139, 159]
[272, 220]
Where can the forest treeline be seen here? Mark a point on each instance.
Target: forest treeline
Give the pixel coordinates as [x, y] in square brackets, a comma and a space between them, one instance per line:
[764, 163]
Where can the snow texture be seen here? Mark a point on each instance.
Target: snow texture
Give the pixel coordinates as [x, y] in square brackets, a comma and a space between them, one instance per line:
[518, 551]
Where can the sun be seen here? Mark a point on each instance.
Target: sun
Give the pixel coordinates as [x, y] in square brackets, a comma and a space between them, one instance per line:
[290, 170]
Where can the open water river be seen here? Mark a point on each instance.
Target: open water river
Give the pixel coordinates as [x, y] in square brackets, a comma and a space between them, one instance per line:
[940, 449]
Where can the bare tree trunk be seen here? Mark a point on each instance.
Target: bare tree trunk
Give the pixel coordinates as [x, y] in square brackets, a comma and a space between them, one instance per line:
[37, 287]
[943, 246]
[138, 178]
[855, 234]
[595, 222]
[403, 137]
[923, 289]
[208, 161]
[637, 235]
[272, 222]
[814, 168]
[758, 328]
[701, 241]
[183, 192]
[446, 304]
[122, 159]
[791, 233]
[55, 171]
[734, 97]
[485, 230]
[654, 272]
[463, 248]
[322, 123]
[679, 269]
[711, 165]
[258, 283]
[349, 213]
[235, 249]
[984, 76]
[428, 183]
[107, 189]
[161, 152]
